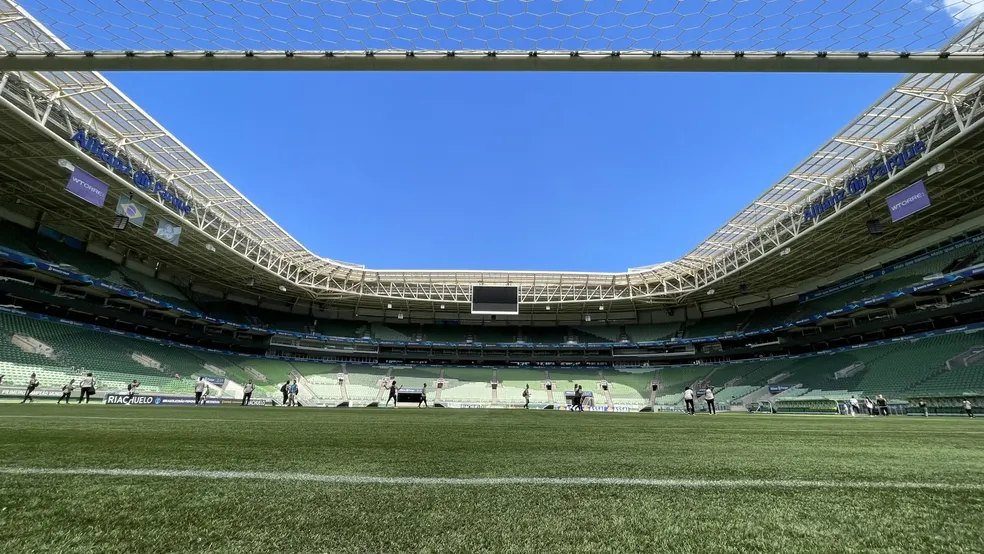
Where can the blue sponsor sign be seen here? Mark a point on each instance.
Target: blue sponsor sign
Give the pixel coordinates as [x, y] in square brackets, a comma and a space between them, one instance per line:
[779, 388]
[141, 178]
[859, 183]
[908, 201]
[87, 187]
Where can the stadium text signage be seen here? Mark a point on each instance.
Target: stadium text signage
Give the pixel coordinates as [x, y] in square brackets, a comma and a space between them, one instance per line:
[142, 179]
[125, 400]
[860, 182]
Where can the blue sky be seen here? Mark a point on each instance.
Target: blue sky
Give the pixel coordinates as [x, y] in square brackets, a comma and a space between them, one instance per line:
[578, 172]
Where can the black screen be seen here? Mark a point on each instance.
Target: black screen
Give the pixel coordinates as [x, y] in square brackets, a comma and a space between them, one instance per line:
[495, 300]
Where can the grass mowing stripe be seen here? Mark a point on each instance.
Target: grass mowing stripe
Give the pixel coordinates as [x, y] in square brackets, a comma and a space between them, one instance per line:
[489, 481]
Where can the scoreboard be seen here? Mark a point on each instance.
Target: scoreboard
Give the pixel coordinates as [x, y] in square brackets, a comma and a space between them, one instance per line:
[497, 300]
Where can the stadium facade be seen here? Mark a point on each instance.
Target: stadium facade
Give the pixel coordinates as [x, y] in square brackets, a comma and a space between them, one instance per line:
[871, 243]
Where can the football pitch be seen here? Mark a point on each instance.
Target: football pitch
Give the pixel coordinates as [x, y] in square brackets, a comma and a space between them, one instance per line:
[159, 480]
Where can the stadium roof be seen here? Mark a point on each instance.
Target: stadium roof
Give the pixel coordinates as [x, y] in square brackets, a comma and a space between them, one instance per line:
[896, 36]
[220, 212]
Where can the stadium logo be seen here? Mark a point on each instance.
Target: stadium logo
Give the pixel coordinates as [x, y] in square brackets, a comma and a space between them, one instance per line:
[860, 182]
[142, 179]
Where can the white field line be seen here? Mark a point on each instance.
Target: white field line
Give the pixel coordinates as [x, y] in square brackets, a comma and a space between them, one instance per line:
[492, 481]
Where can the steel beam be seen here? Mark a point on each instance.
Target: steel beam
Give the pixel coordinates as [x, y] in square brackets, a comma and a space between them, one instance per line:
[747, 62]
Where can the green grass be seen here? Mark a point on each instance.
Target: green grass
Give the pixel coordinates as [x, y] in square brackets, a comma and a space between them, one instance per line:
[110, 514]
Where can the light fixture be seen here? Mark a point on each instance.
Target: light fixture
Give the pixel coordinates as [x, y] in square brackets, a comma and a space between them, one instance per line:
[209, 247]
[282, 288]
[399, 316]
[389, 306]
[442, 306]
[120, 222]
[784, 251]
[936, 169]
[587, 318]
[601, 308]
[548, 308]
[250, 282]
[710, 292]
[66, 164]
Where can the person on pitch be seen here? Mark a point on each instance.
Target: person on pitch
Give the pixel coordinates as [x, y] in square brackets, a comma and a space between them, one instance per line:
[200, 387]
[248, 392]
[688, 400]
[67, 389]
[132, 389]
[709, 398]
[292, 397]
[285, 390]
[526, 397]
[423, 396]
[969, 408]
[31, 385]
[87, 387]
[392, 394]
[576, 401]
[882, 405]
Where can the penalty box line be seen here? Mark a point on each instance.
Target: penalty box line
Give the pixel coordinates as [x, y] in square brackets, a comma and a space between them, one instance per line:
[492, 481]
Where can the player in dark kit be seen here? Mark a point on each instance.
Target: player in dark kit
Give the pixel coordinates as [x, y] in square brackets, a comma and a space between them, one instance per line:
[392, 395]
[882, 405]
[132, 389]
[31, 385]
[526, 396]
[423, 396]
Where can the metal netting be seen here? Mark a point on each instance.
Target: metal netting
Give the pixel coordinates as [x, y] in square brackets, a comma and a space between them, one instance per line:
[504, 25]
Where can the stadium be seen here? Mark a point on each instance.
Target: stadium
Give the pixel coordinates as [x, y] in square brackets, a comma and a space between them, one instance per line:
[834, 323]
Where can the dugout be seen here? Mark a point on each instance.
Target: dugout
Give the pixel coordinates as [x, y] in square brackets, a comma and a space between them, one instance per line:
[409, 395]
[587, 397]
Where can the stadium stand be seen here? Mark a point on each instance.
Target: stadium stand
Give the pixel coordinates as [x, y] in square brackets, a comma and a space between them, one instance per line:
[645, 332]
[720, 325]
[466, 384]
[629, 388]
[513, 381]
[444, 333]
[598, 333]
[381, 331]
[365, 382]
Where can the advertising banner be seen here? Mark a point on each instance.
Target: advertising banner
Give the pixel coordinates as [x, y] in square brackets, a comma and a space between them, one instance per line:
[169, 232]
[908, 201]
[131, 210]
[774, 389]
[125, 400]
[239, 402]
[18, 392]
[87, 188]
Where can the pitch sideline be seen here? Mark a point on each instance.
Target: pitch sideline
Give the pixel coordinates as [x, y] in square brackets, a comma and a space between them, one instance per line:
[491, 481]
